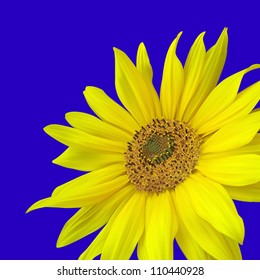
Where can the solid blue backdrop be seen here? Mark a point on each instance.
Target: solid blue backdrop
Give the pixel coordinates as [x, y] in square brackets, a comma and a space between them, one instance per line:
[51, 50]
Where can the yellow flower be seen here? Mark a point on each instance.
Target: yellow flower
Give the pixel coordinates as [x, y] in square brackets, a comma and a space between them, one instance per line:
[162, 168]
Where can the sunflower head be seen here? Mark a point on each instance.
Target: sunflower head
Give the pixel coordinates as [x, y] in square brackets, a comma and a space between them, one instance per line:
[167, 165]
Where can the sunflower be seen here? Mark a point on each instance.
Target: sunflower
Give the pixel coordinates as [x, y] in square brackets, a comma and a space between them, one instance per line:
[162, 168]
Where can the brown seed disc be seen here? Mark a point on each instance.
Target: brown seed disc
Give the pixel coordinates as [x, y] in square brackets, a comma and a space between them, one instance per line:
[162, 155]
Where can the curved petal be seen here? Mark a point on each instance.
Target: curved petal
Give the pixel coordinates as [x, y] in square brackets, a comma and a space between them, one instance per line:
[188, 245]
[79, 159]
[92, 178]
[222, 96]
[250, 193]
[73, 137]
[172, 82]
[109, 111]
[244, 103]
[79, 198]
[253, 147]
[234, 135]
[96, 127]
[90, 219]
[132, 89]
[238, 170]
[193, 70]
[208, 238]
[215, 60]
[161, 226]
[213, 204]
[144, 67]
[87, 189]
[126, 230]
[98, 243]
[143, 63]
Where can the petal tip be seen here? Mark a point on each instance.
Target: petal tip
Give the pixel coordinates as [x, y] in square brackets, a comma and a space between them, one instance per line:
[48, 129]
[178, 37]
[70, 116]
[87, 88]
[60, 242]
[32, 207]
[116, 51]
[29, 210]
[39, 204]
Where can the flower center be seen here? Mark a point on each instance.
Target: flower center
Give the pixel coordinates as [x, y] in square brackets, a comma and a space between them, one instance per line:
[158, 148]
[162, 155]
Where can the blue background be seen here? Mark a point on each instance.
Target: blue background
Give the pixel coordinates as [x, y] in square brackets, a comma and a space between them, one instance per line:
[51, 50]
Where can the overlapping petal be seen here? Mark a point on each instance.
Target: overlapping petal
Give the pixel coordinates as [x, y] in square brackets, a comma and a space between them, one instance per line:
[132, 90]
[188, 245]
[222, 96]
[209, 239]
[233, 135]
[253, 147]
[124, 235]
[96, 127]
[87, 189]
[96, 247]
[250, 193]
[76, 138]
[172, 82]
[79, 159]
[243, 104]
[161, 226]
[108, 110]
[237, 170]
[193, 69]
[215, 60]
[211, 202]
[90, 219]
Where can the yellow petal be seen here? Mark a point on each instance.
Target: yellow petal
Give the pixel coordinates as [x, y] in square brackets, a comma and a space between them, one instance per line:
[144, 67]
[87, 189]
[244, 103]
[132, 90]
[73, 137]
[79, 198]
[238, 170]
[172, 82]
[208, 238]
[87, 161]
[193, 70]
[253, 147]
[108, 110]
[96, 127]
[188, 245]
[211, 202]
[234, 135]
[90, 219]
[234, 247]
[143, 63]
[222, 96]
[126, 230]
[161, 226]
[97, 245]
[215, 60]
[92, 178]
[250, 193]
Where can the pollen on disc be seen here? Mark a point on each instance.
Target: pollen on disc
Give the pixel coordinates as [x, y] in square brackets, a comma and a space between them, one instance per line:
[162, 155]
